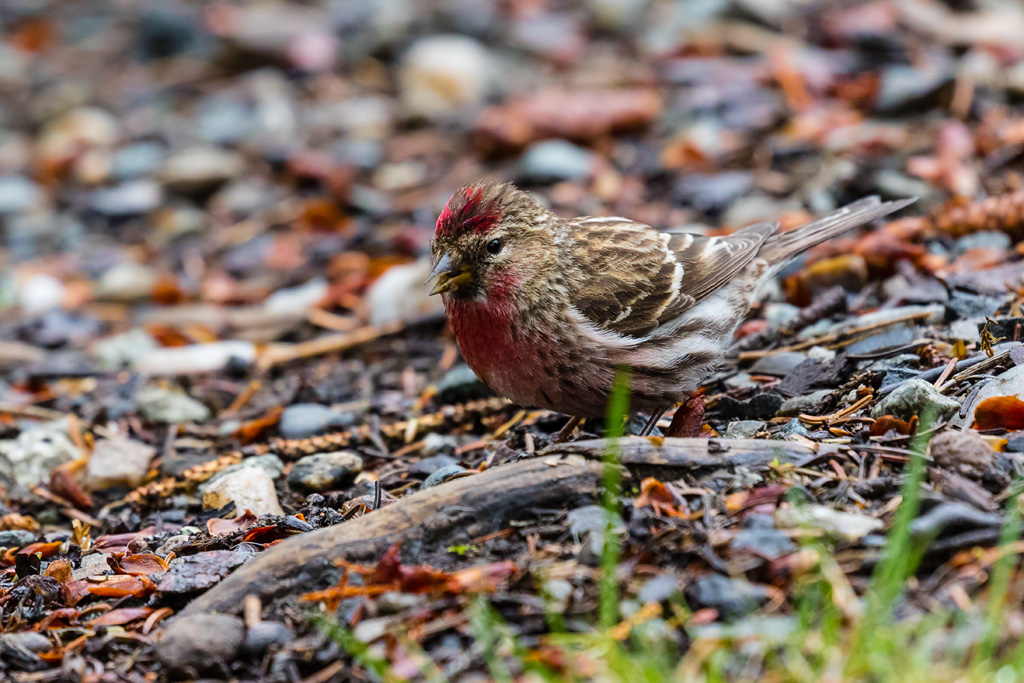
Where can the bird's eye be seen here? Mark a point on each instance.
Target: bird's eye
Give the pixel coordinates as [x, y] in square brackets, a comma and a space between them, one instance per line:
[494, 246]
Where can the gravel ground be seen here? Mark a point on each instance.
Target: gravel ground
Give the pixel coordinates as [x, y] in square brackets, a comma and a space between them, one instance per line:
[215, 337]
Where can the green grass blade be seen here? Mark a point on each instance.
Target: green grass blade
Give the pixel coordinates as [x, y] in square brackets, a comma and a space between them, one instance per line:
[900, 560]
[999, 585]
[608, 588]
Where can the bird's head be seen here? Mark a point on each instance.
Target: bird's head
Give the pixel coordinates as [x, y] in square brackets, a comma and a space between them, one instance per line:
[488, 241]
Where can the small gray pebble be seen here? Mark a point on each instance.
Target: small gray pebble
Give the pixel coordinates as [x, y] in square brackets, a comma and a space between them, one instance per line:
[16, 538]
[743, 429]
[303, 420]
[442, 475]
[325, 471]
[265, 634]
[428, 466]
[394, 602]
[200, 641]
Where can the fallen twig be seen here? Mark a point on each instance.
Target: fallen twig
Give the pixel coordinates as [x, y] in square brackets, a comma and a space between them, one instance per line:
[31, 411]
[836, 340]
[975, 369]
[647, 454]
[837, 416]
[278, 354]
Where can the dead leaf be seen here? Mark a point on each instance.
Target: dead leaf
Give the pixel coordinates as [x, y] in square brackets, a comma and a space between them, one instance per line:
[332, 597]
[155, 618]
[485, 578]
[118, 543]
[660, 497]
[167, 291]
[141, 564]
[887, 423]
[74, 591]
[13, 520]
[64, 484]
[80, 534]
[578, 115]
[1000, 412]
[321, 215]
[387, 568]
[266, 534]
[254, 430]
[122, 615]
[122, 586]
[763, 495]
[390, 575]
[59, 570]
[849, 271]
[34, 34]
[45, 551]
[219, 526]
[168, 335]
[58, 618]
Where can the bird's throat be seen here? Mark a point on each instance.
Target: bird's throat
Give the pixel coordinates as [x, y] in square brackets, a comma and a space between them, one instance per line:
[485, 330]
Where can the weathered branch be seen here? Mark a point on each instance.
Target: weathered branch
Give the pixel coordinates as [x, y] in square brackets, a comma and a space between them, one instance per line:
[670, 457]
[470, 507]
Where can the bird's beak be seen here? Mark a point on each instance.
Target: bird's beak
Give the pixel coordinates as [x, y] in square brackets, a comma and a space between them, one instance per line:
[447, 276]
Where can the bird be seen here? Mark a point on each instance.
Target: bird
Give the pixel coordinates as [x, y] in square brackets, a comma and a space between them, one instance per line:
[546, 309]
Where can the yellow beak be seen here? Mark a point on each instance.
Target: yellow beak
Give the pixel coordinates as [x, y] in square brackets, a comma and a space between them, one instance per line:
[448, 277]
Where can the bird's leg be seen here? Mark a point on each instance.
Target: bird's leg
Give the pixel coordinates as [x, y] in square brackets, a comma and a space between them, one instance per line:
[566, 432]
[689, 418]
[652, 422]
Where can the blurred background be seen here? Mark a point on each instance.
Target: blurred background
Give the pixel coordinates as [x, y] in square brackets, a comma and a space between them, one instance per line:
[191, 172]
[214, 222]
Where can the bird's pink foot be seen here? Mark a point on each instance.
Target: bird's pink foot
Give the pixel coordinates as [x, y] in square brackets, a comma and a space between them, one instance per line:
[688, 421]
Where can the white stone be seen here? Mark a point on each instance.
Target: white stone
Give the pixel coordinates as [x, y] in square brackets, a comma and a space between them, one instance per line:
[443, 74]
[198, 168]
[85, 127]
[966, 330]
[249, 488]
[821, 353]
[119, 350]
[40, 293]
[846, 525]
[126, 282]
[158, 404]
[401, 293]
[128, 199]
[118, 461]
[299, 298]
[28, 460]
[195, 358]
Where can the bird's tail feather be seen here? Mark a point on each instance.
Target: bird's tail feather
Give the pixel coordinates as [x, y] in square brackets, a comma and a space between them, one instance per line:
[782, 247]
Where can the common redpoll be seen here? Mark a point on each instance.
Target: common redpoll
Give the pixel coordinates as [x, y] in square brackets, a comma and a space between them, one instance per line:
[545, 309]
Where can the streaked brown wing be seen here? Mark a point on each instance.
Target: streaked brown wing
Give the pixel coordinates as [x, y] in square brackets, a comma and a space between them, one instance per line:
[638, 278]
[710, 262]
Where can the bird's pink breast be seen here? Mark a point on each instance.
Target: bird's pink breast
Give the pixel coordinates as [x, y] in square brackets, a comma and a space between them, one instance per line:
[500, 353]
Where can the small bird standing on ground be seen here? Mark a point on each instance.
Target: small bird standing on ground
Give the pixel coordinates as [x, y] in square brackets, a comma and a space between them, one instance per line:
[545, 309]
